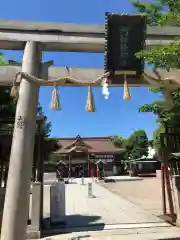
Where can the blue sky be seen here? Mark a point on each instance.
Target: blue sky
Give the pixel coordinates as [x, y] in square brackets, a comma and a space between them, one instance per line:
[114, 116]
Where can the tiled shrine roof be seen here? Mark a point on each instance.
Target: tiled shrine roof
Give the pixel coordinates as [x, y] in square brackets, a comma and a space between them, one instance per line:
[88, 144]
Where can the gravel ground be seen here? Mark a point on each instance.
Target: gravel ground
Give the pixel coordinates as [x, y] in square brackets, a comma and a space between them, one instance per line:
[145, 193]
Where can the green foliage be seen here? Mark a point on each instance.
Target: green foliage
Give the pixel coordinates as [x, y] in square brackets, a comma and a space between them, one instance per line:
[2, 60]
[8, 110]
[152, 10]
[171, 116]
[156, 107]
[137, 145]
[162, 12]
[50, 145]
[7, 106]
[150, 143]
[167, 56]
[117, 141]
[159, 12]
[156, 137]
[47, 125]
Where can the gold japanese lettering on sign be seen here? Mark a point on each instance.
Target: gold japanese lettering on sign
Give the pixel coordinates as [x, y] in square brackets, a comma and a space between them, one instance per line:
[124, 34]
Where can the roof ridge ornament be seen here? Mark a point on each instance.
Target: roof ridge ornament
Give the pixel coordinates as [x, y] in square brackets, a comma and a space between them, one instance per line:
[78, 137]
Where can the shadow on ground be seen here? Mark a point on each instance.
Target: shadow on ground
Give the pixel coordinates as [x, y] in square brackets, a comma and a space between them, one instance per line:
[81, 220]
[176, 238]
[74, 223]
[71, 182]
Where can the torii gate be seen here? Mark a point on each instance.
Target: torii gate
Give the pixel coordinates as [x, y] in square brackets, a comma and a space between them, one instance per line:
[35, 38]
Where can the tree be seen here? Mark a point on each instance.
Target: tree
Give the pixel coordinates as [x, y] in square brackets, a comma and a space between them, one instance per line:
[165, 57]
[2, 60]
[49, 144]
[7, 106]
[137, 145]
[117, 141]
[156, 137]
[8, 110]
[47, 125]
[163, 12]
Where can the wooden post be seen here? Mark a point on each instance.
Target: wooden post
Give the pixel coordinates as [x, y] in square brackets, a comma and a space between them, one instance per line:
[169, 193]
[40, 164]
[69, 168]
[167, 179]
[176, 186]
[2, 165]
[169, 104]
[163, 189]
[15, 215]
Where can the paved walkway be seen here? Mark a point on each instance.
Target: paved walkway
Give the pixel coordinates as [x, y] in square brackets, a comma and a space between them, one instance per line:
[105, 208]
[108, 216]
[170, 233]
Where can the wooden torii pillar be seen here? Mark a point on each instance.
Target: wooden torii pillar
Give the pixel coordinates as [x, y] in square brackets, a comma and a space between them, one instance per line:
[14, 222]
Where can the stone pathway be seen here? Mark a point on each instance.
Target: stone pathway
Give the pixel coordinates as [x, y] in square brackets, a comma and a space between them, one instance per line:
[166, 233]
[107, 216]
[105, 208]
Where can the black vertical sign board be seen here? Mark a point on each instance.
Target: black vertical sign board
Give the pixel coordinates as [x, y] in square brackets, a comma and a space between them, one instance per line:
[124, 36]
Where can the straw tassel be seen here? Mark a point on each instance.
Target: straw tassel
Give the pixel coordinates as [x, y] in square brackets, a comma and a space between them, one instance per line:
[90, 106]
[14, 92]
[127, 95]
[55, 102]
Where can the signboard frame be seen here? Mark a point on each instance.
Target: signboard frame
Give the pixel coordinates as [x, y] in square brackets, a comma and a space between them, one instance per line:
[124, 36]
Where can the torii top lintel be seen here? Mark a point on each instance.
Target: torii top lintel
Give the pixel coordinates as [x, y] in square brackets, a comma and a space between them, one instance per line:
[74, 38]
[69, 37]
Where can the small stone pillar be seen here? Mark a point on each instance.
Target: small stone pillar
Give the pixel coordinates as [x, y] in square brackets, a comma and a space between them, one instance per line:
[36, 207]
[82, 180]
[158, 174]
[90, 192]
[57, 203]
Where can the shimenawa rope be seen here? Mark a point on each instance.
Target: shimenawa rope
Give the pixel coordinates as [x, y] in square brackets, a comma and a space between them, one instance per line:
[55, 102]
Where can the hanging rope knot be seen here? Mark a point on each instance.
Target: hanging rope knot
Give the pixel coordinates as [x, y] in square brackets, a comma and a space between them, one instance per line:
[14, 90]
[127, 95]
[55, 101]
[90, 105]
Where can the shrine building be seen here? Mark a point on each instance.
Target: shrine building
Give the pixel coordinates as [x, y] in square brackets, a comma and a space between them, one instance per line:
[89, 152]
